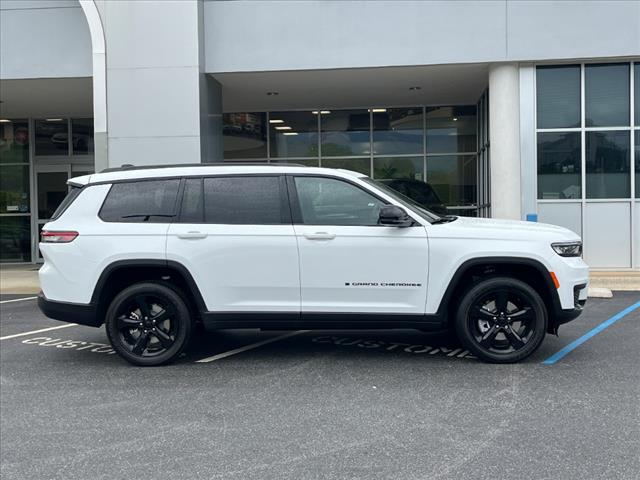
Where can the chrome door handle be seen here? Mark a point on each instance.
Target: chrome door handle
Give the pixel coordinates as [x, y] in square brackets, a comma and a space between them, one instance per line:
[320, 236]
[192, 235]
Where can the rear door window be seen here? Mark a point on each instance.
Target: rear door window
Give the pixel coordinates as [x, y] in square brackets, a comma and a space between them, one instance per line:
[152, 201]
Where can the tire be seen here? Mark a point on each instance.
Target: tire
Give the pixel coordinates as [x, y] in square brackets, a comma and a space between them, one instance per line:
[501, 320]
[149, 324]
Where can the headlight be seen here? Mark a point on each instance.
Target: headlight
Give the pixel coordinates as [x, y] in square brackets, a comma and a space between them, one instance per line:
[568, 249]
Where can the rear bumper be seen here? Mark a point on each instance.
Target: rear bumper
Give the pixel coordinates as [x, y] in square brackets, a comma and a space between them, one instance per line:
[83, 314]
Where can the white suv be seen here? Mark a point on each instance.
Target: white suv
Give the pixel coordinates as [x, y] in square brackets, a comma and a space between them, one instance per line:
[153, 252]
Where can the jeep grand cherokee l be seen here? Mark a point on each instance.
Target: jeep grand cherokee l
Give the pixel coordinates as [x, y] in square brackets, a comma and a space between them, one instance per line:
[152, 252]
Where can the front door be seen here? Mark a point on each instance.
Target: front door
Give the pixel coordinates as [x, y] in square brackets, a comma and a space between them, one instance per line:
[51, 188]
[349, 263]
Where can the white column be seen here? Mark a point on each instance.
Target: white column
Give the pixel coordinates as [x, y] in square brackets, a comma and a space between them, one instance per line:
[504, 136]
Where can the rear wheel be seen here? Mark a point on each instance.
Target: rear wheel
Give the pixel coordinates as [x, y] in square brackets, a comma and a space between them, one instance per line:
[148, 324]
[501, 320]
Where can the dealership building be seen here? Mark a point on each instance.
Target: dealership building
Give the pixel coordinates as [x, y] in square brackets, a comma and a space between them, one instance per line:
[508, 109]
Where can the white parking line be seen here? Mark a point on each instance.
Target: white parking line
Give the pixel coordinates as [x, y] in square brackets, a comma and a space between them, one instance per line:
[250, 347]
[18, 299]
[7, 337]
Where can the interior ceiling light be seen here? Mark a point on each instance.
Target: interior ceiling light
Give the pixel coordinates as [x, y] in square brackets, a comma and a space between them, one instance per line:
[415, 88]
[276, 120]
[271, 94]
[290, 133]
[321, 112]
[455, 119]
[378, 110]
[284, 127]
[5, 120]
[53, 119]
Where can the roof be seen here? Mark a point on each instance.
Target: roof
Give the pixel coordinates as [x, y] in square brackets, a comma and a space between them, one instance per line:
[194, 170]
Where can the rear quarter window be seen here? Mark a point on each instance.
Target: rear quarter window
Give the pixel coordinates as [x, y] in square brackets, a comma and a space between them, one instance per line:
[152, 201]
[68, 200]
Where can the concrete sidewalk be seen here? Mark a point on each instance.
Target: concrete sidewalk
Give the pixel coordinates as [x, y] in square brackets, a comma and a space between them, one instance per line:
[15, 279]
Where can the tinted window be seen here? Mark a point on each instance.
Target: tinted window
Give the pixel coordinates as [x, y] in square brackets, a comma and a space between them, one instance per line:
[143, 201]
[607, 95]
[558, 97]
[559, 165]
[243, 200]
[68, 200]
[327, 201]
[192, 210]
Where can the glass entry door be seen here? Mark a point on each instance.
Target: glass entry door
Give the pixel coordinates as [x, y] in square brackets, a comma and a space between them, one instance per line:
[51, 188]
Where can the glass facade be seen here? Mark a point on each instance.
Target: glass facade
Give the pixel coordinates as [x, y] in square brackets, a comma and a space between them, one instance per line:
[433, 144]
[588, 154]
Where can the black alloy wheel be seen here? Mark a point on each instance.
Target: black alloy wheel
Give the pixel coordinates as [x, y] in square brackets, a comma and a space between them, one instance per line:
[501, 320]
[148, 324]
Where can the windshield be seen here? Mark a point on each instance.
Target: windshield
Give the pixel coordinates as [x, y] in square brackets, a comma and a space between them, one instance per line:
[411, 204]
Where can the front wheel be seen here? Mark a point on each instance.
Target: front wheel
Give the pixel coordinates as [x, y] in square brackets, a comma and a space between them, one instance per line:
[501, 320]
[148, 324]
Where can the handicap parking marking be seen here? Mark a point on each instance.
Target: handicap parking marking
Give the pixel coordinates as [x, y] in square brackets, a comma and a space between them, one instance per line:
[251, 346]
[387, 346]
[559, 355]
[24, 334]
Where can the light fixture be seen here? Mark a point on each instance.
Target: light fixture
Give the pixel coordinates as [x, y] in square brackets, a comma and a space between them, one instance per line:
[276, 120]
[321, 112]
[455, 119]
[284, 127]
[290, 133]
[271, 94]
[378, 110]
[53, 119]
[415, 88]
[5, 120]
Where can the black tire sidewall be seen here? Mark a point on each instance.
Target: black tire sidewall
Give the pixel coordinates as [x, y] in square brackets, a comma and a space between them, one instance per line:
[472, 295]
[183, 319]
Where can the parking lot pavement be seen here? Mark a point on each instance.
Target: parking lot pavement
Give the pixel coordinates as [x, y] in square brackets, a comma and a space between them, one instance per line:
[375, 404]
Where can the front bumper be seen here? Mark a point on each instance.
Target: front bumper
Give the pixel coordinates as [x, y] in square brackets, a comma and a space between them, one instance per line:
[579, 301]
[83, 314]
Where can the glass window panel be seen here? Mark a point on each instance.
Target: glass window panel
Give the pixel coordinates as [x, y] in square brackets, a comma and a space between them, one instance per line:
[307, 162]
[454, 178]
[242, 200]
[451, 129]
[293, 134]
[52, 137]
[143, 201]
[192, 210]
[418, 191]
[398, 167]
[559, 165]
[14, 142]
[345, 133]
[558, 96]
[244, 135]
[636, 90]
[52, 190]
[325, 201]
[15, 239]
[14, 189]
[607, 95]
[637, 160]
[397, 131]
[608, 165]
[82, 136]
[362, 165]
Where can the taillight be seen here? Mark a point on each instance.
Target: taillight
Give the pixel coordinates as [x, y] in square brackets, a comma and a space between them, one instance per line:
[57, 237]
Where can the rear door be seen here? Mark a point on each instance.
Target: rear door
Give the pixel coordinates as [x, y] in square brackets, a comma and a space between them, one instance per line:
[234, 234]
[349, 263]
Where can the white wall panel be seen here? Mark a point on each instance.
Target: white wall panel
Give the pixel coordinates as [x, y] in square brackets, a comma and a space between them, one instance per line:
[567, 215]
[607, 235]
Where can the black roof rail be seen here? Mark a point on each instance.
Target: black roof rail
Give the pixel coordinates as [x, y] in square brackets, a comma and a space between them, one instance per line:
[127, 166]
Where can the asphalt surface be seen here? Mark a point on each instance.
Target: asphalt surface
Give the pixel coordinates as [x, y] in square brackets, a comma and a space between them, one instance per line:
[319, 405]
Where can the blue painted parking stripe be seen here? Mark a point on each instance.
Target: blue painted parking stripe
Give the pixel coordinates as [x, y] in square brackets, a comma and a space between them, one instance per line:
[591, 333]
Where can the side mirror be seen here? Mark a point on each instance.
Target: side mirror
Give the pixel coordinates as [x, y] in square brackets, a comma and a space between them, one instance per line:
[394, 216]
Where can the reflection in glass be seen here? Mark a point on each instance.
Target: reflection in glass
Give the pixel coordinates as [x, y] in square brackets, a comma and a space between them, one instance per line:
[362, 165]
[637, 160]
[607, 95]
[52, 137]
[636, 90]
[451, 129]
[454, 178]
[397, 130]
[608, 164]
[293, 134]
[14, 188]
[14, 142]
[82, 136]
[15, 239]
[345, 133]
[244, 135]
[307, 162]
[559, 165]
[398, 167]
[558, 96]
